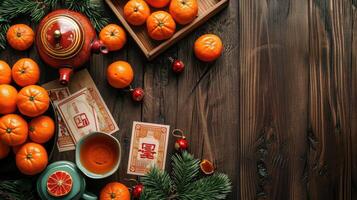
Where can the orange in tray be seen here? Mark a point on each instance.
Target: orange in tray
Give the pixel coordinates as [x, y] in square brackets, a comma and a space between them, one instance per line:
[33, 100]
[31, 159]
[41, 129]
[158, 3]
[25, 72]
[20, 36]
[160, 25]
[208, 47]
[5, 73]
[136, 12]
[113, 36]
[120, 74]
[13, 129]
[115, 191]
[8, 95]
[183, 11]
[4, 150]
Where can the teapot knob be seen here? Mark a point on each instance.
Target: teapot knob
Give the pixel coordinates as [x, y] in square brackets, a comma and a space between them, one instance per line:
[57, 34]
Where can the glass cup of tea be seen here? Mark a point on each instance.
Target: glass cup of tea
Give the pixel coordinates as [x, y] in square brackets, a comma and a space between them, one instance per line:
[98, 155]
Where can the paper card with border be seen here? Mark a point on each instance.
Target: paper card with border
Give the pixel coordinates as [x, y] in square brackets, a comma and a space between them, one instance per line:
[79, 114]
[148, 147]
[64, 141]
[82, 79]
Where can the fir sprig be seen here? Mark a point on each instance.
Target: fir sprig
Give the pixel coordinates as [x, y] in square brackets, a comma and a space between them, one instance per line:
[212, 187]
[11, 9]
[185, 169]
[185, 183]
[17, 190]
[4, 25]
[93, 9]
[158, 184]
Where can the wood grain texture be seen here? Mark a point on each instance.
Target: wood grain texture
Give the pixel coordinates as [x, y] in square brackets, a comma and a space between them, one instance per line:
[277, 112]
[273, 98]
[329, 133]
[354, 102]
[152, 48]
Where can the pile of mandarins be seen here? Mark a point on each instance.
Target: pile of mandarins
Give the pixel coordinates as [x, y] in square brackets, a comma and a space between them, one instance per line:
[161, 25]
[23, 127]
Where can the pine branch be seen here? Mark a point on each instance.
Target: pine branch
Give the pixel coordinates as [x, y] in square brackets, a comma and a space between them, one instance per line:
[11, 9]
[185, 170]
[157, 185]
[186, 182]
[4, 25]
[93, 10]
[17, 190]
[212, 187]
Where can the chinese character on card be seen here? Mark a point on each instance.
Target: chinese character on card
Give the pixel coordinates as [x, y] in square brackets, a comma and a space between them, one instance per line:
[148, 147]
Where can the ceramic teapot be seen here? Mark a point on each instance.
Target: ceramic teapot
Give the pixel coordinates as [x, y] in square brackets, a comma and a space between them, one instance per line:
[56, 175]
[65, 39]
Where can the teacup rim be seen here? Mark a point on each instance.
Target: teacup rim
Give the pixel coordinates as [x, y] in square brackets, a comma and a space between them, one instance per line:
[87, 172]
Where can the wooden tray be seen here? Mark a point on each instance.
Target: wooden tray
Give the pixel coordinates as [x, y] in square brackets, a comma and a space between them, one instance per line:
[152, 48]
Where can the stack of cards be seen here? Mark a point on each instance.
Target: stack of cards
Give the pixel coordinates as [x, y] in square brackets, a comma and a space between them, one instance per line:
[81, 110]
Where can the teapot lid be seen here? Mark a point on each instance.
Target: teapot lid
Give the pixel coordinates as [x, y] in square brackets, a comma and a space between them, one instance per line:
[62, 36]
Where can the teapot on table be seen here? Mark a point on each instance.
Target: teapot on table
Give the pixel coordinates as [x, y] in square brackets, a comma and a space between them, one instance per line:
[65, 40]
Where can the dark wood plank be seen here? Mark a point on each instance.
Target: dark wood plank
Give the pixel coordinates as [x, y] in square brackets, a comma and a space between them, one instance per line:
[273, 98]
[208, 103]
[354, 102]
[329, 135]
[200, 101]
[277, 112]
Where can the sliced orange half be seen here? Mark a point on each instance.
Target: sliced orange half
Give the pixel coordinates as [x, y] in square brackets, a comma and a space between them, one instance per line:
[59, 183]
[207, 167]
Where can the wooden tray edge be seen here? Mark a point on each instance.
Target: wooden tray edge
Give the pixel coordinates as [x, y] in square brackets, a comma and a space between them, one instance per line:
[187, 29]
[150, 55]
[127, 27]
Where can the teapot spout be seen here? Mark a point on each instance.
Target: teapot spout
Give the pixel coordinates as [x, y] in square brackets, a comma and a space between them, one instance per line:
[65, 74]
[98, 47]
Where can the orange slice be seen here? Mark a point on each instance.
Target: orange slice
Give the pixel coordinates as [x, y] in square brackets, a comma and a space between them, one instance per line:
[59, 183]
[207, 167]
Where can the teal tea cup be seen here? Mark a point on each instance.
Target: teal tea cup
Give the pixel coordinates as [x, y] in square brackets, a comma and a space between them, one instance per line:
[78, 186]
[95, 149]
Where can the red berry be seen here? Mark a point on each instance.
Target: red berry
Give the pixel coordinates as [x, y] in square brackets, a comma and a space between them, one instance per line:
[181, 144]
[137, 94]
[137, 189]
[178, 66]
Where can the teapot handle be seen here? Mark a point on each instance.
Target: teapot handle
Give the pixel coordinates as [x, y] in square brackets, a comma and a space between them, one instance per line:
[97, 46]
[89, 196]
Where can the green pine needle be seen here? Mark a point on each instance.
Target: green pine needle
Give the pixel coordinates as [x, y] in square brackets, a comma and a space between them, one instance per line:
[3, 29]
[212, 187]
[158, 184]
[185, 170]
[17, 190]
[93, 9]
[185, 183]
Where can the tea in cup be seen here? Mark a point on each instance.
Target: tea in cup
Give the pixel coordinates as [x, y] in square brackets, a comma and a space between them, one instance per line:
[98, 155]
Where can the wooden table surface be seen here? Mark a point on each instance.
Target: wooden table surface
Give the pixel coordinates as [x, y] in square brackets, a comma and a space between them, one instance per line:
[277, 112]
